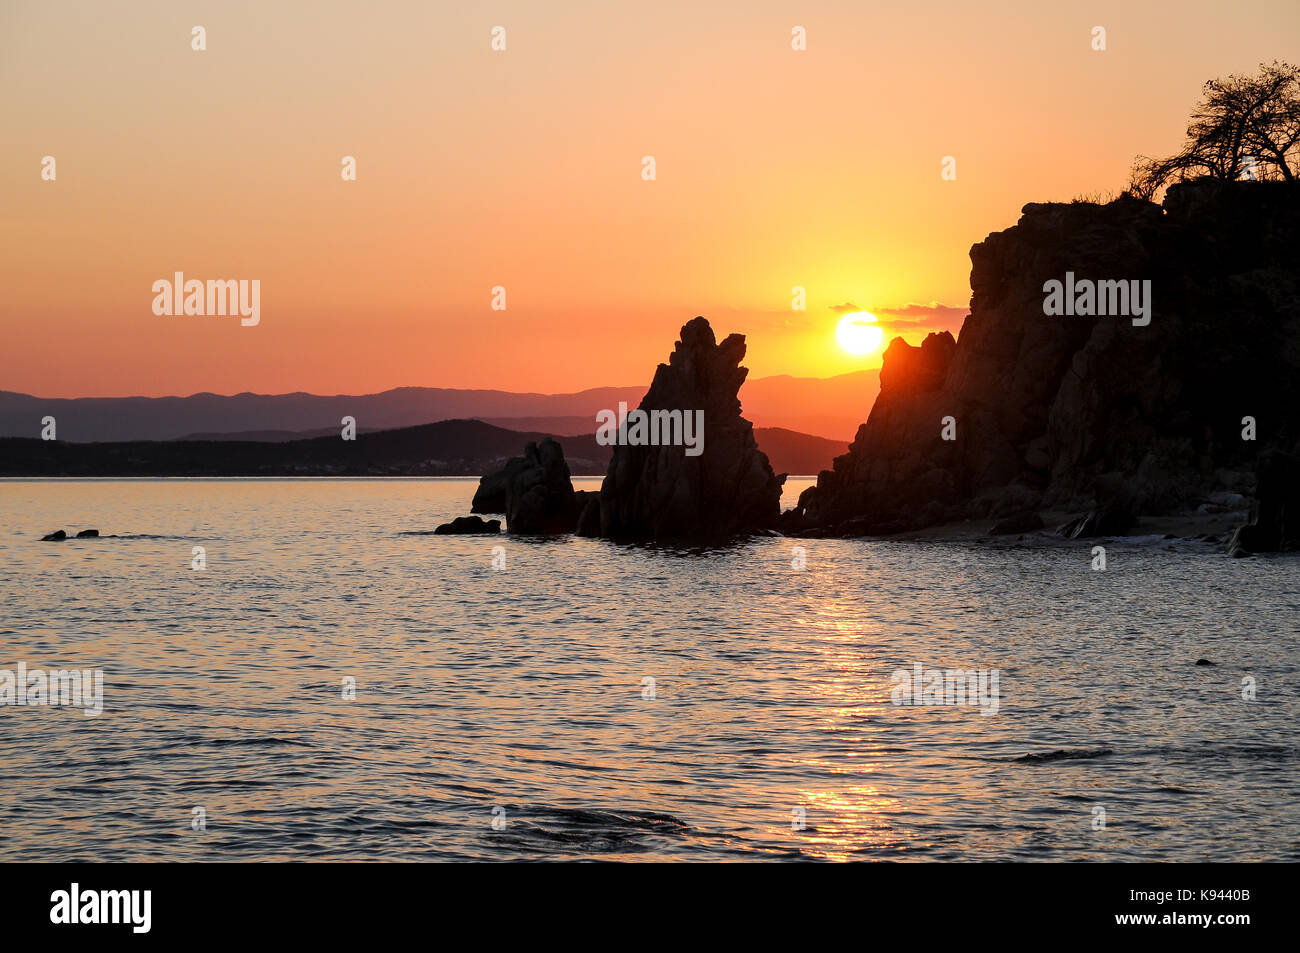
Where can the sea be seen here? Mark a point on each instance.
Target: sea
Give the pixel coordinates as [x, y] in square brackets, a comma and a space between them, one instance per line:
[299, 669]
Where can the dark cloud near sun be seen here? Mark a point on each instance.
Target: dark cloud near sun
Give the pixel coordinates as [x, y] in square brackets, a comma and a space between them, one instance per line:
[934, 316]
[913, 321]
[912, 316]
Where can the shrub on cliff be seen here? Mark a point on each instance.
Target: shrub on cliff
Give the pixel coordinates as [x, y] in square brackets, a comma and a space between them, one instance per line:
[1243, 127]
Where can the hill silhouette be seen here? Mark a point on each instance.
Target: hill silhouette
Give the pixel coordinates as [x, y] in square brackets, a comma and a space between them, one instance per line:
[445, 448]
[829, 407]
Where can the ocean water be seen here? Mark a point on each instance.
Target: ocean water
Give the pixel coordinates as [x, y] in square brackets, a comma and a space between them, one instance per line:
[504, 713]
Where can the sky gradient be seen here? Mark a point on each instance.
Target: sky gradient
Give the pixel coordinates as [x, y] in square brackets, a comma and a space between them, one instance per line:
[522, 169]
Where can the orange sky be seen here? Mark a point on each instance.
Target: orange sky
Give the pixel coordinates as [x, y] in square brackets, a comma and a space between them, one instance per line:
[522, 169]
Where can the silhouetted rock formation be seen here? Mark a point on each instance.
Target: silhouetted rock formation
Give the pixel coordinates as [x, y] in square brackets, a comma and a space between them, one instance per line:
[469, 524]
[535, 492]
[490, 497]
[1046, 409]
[658, 491]
[56, 535]
[88, 534]
[1275, 517]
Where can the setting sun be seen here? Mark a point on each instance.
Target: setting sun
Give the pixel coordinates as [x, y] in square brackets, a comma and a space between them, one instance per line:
[858, 333]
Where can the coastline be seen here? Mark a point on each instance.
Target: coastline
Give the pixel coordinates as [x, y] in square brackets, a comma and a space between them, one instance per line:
[1185, 527]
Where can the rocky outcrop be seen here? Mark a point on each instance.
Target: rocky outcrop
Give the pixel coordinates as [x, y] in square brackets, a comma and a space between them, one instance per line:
[1030, 411]
[1275, 517]
[490, 497]
[903, 435]
[468, 525]
[57, 535]
[661, 492]
[673, 481]
[534, 491]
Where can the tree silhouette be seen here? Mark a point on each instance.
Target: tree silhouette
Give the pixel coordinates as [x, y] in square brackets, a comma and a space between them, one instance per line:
[1243, 127]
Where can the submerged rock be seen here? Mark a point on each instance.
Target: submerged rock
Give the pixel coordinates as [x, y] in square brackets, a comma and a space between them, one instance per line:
[469, 524]
[729, 488]
[88, 534]
[56, 535]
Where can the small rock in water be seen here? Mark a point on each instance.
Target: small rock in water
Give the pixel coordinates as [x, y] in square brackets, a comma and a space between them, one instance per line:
[469, 524]
[57, 534]
[1203, 661]
[88, 534]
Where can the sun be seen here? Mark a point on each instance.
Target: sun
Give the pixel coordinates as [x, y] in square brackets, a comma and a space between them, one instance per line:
[858, 333]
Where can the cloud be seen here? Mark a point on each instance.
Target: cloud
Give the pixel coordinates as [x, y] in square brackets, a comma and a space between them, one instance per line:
[932, 316]
[909, 320]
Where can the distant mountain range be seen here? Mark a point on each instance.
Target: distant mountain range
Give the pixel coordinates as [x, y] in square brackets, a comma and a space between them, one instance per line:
[830, 407]
[446, 448]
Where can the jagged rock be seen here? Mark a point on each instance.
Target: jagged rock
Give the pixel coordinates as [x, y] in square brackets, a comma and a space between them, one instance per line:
[469, 524]
[1275, 518]
[898, 464]
[536, 494]
[1025, 522]
[534, 491]
[917, 370]
[1057, 404]
[729, 488]
[88, 534]
[56, 535]
[490, 497]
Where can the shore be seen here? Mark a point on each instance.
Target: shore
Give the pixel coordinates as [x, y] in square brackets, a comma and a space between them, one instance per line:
[1184, 526]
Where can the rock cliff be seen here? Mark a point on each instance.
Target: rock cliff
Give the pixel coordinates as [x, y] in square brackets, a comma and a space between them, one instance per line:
[1090, 411]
